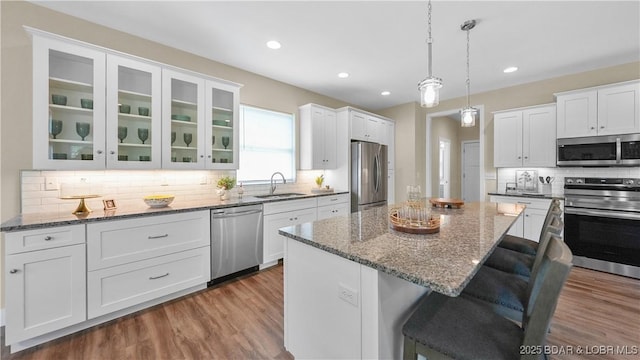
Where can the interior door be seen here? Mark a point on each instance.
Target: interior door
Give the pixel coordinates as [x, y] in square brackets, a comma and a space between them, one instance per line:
[445, 168]
[471, 171]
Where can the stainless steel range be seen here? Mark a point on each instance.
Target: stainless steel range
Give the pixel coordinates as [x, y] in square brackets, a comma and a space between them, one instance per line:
[602, 223]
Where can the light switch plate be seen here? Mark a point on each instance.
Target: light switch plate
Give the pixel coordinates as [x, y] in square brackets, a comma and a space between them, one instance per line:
[348, 295]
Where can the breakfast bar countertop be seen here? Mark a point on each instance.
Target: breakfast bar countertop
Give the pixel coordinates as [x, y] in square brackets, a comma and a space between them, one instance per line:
[444, 261]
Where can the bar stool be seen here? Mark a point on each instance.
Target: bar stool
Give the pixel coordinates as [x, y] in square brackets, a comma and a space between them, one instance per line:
[527, 246]
[504, 292]
[445, 327]
[518, 263]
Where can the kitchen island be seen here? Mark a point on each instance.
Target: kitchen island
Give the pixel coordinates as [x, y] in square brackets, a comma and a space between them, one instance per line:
[352, 281]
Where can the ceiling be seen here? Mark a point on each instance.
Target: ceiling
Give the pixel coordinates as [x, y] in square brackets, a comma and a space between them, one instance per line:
[381, 44]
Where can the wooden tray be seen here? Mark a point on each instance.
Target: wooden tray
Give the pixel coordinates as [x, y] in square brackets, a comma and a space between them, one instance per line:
[450, 203]
[432, 226]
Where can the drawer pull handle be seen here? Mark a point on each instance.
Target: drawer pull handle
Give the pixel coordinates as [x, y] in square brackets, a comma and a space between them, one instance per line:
[158, 277]
[158, 236]
[47, 238]
[13, 271]
[334, 200]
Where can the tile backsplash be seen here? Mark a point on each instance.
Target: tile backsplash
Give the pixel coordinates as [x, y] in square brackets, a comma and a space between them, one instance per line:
[41, 190]
[508, 175]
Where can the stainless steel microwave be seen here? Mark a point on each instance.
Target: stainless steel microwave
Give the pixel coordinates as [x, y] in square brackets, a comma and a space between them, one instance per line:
[611, 150]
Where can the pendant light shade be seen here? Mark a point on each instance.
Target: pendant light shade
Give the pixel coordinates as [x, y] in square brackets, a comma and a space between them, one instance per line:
[468, 114]
[429, 87]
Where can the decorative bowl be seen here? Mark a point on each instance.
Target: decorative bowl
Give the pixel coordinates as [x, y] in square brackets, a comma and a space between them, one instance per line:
[222, 122]
[143, 111]
[158, 201]
[181, 117]
[58, 99]
[125, 109]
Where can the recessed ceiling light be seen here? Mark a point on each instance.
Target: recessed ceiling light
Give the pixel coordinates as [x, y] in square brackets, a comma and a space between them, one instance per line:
[385, 93]
[343, 75]
[274, 44]
[510, 69]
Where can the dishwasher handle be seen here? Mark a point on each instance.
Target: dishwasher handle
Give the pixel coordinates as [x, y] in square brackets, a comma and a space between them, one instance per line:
[223, 215]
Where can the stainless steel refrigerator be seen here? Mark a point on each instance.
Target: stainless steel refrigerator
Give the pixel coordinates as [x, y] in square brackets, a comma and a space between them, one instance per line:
[368, 175]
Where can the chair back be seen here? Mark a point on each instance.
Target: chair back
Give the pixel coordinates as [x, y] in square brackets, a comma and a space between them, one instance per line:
[554, 211]
[543, 295]
[553, 228]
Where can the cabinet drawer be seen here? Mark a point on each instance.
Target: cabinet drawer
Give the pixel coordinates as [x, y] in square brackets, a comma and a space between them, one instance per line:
[124, 241]
[127, 285]
[333, 199]
[39, 239]
[542, 204]
[289, 205]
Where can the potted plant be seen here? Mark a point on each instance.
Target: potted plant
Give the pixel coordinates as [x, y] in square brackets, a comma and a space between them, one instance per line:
[225, 184]
[320, 180]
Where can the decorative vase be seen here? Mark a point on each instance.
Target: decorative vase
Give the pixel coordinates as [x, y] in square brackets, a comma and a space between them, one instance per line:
[224, 194]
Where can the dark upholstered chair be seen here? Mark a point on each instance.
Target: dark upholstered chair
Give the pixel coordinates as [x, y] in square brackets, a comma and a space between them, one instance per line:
[527, 246]
[506, 292]
[518, 263]
[459, 328]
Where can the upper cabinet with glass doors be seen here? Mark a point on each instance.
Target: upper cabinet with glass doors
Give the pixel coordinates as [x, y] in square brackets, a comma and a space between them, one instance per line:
[222, 126]
[133, 114]
[68, 106]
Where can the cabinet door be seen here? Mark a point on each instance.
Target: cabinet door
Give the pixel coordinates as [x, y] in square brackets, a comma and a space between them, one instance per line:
[66, 134]
[517, 229]
[533, 221]
[47, 291]
[539, 137]
[618, 110]
[372, 129]
[389, 135]
[273, 247]
[330, 136]
[133, 114]
[507, 140]
[221, 139]
[358, 126]
[183, 121]
[577, 114]
[329, 211]
[317, 138]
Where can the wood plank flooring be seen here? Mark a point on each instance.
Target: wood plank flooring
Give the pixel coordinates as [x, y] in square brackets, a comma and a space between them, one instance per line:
[243, 319]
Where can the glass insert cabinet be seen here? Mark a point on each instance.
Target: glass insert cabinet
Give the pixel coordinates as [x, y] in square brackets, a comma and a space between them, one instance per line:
[94, 109]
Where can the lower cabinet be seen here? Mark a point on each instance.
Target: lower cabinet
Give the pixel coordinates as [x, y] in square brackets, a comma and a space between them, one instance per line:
[529, 225]
[126, 285]
[332, 206]
[281, 214]
[132, 261]
[46, 288]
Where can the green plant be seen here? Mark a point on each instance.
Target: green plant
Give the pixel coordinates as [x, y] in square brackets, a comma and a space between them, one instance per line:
[226, 183]
[319, 180]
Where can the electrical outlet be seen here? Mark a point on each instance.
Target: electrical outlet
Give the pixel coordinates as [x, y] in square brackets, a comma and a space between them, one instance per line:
[348, 295]
[51, 183]
[203, 180]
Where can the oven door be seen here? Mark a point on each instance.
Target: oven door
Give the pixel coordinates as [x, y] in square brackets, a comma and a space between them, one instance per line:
[612, 236]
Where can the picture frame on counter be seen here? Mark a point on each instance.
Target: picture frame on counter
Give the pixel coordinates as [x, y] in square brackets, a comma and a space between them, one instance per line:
[109, 204]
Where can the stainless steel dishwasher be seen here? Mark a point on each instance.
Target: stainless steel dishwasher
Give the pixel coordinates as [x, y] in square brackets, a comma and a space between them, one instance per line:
[236, 240]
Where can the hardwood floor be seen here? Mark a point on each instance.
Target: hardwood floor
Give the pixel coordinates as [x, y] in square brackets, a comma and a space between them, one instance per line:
[243, 319]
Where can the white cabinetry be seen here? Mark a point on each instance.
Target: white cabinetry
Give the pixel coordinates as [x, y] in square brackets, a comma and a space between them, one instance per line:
[389, 140]
[137, 260]
[45, 276]
[525, 137]
[333, 205]
[606, 110]
[65, 134]
[529, 225]
[318, 137]
[280, 214]
[133, 125]
[365, 127]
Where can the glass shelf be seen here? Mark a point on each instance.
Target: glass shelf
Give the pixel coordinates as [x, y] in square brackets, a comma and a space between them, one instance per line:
[185, 123]
[59, 83]
[184, 104]
[132, 95]
[77, 110]
[135, 145]
[65, 141]
[229, 128]
[183, 148]
[134, 117]
[223, 150]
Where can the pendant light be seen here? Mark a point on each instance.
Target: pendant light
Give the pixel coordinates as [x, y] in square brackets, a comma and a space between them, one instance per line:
[429, 87]
[468, 114]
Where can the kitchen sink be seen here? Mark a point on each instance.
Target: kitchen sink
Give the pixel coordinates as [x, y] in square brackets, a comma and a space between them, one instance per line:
[279, 196]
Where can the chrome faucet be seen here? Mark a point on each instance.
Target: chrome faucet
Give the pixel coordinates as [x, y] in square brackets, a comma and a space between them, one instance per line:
[273, 186]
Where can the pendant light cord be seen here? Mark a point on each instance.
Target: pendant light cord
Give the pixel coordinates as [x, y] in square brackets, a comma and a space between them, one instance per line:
[468, 76]
[429, 39]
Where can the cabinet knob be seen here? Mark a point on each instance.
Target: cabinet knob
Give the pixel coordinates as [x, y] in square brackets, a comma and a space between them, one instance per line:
[519, 157]
[526, 157]
[112, 152]
[47, 238]
[593, 128]
[602, 127]
[201, 156]
[13, 271]
[99, 152]
[209, 156]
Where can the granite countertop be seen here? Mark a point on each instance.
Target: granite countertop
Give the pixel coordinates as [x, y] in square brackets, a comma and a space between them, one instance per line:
[550, 196]
[444, 261]
[43, 220]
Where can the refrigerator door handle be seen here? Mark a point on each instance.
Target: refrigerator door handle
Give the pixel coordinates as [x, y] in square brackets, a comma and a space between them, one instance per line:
[376, 176]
